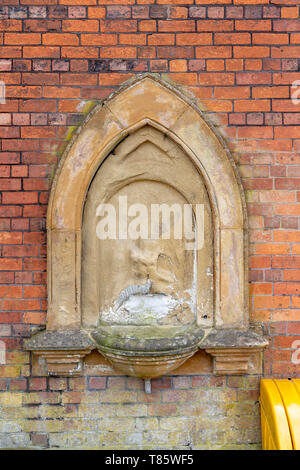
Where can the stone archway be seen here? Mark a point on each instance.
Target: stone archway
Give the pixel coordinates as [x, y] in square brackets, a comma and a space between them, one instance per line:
[146, 101]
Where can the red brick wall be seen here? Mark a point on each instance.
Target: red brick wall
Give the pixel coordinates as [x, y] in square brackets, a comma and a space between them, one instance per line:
[238, 57]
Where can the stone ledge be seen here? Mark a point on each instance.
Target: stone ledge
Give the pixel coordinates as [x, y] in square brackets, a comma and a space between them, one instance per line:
[62, 351]
[57, 340]
[234, 338]
[235, 352]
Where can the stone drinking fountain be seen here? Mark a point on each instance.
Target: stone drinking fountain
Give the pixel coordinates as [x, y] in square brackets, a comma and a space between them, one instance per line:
[145, 287]
[144, 165]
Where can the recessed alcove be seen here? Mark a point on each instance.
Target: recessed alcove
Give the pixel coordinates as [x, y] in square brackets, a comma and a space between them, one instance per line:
[147, 304]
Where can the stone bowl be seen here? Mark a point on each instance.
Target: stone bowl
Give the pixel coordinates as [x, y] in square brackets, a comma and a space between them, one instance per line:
[147, 351]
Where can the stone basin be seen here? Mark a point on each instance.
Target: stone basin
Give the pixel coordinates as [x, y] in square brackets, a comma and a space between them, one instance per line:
[147, 351]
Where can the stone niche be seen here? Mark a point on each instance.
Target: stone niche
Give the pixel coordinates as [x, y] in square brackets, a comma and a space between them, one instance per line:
[148, 297]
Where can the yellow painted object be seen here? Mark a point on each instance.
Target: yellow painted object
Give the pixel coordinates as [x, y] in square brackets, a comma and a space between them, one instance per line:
[280, 414]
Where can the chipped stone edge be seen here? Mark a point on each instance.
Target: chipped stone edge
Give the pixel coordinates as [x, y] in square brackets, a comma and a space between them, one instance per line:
[59, 341]
[233, 350]
[234, 338]
[61, 351]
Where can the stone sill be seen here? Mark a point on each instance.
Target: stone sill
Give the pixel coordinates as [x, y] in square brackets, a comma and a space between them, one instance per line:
[234, 352]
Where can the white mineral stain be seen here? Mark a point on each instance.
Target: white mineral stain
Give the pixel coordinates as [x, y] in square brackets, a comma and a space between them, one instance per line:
[141, 309]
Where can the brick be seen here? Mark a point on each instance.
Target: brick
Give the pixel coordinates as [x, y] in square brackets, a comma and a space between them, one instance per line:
[253, 64]
[285, 51]
[60, 39]
[37, 12]
[203, 52]
[41, 25]
[283, 105]
[132, 39]
[59, 65]
[289, 222]
[271, 11]
[270, 92]
[97, 383]
[286, 25]
[5, 65]
[270, 38]
[166, 2]
[10, 25]
[159, 65]
[272, 249]
[215, 12]
[80, 26]
[179, 12]
[289, 262]
[82, 2]
[77, 12]
[40, 65]
[290, 12]
[119, 52]
[253, 25]
[30, 132]
[24, 304]
[41, 51]
[273, 275]
[253, 11]
[196, 65]
[293, 328]
[35, 318]
[118, 12]
[40, 78]
[215, 65]
[10, 52]
[146, 52]
[79, 79]
[10, 184]
[286, 209]
[37, 383]
[261, 78]
[251, 51]
[96, 12]
[57, 11]
[119, 26]
[185, 78]
[79, 52]
[10, 211]
[271, 64]
[216, 78]
[271, 301]
[195, 39]
[260, 261]
[255, 132]
[261, 289]
[22, 38]
[10, 238]
[295, 39]
[169, 52]
[34, 291]
[232, 92]
[286, 132]
[40, 440]
[176, 25]
[215, 25]
[232, 38]
[161, 39]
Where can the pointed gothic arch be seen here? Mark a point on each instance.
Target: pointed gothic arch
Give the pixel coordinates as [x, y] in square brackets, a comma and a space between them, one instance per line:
[152, 102]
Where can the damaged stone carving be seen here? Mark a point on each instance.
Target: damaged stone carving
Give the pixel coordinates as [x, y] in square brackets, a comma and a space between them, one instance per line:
[147, 304]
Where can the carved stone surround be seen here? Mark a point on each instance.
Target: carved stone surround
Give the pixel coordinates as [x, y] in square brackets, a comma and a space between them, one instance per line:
[235, 348]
